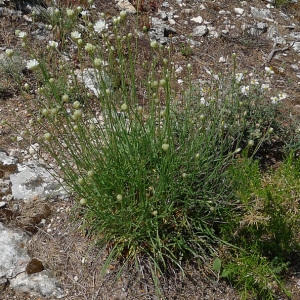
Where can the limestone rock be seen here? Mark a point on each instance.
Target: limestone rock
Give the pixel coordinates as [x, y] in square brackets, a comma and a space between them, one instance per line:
[32, 180]
[127, 6]
[200, 30]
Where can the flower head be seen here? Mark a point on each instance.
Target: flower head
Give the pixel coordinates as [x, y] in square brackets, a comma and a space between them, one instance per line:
[154, 44]
[165, 147]
[100, 26]
[22, 34]
[9, 53]
[269, 70]
[32, 65]
[254, 81]
[90, 48]
[265, 87]
[245, 89]
[53, 44]
[282, 96]
[274, 100]
[239, 77]
[70, 12]
[75, 35]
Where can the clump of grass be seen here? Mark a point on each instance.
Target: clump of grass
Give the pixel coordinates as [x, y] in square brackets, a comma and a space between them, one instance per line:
[151, 175]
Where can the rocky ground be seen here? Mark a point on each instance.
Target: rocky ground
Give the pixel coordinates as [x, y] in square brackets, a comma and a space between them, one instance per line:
[40, 244]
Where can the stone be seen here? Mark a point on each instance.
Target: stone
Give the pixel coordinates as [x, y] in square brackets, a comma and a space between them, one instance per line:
[262, 14]
[274, 35]
[200, 30]
[296, 47]
[3, 204]
[198, 19]
[127, 6]
[14, 262]
[33, 180]
[34, 266]
[8, 164]
[257, 29]
[90, 78]
[160, 31]
[41, 283]
[295, 36]
[239, 11]
[13, 255]
[4, 188]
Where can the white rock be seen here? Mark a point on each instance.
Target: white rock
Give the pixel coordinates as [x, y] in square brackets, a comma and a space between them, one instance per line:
[13, 257]
[239, 10]
[127, 6]
[40, 283]
[33, 180]
[198, 19]
[200, 30]
[172, 22]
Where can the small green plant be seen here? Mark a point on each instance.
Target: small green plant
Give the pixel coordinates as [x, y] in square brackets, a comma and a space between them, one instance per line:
[186, 50]
[280, 3]
[265, 227]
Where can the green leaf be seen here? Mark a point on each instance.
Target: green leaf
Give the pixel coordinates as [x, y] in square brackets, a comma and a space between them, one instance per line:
[226, 273]
[217, 264]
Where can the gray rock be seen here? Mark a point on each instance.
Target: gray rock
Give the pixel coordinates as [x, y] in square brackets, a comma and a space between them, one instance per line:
[13, 256]
[296, 47]
[4, 188]
[9, 162]
[295, 36]
[257, 29]
[200, 30]
[160, 31]
[261, 14]
[41, 283]
[42, 32]
[164, 16]
[33, 180]
[90, 77]
[13, 262]
[127, 6]
[274, 35]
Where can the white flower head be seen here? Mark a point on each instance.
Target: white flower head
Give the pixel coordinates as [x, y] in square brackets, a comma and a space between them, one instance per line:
[32, 64]
[22, 34]
[269, 71]
[90, 48]
[274, 100]
[254, 81]
[75, 35]
[265, 87]
[245, 89]
[9, 53]
[282, 96]
[100, 26]
[53, 44]
[85, 13]
[165, 147]
[70, 12]
[239, 77]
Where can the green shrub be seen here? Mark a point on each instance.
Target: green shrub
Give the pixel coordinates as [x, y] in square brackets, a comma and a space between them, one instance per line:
[265, 227]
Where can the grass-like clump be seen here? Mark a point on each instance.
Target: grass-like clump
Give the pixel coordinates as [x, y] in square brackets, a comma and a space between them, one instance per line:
[159, 171]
